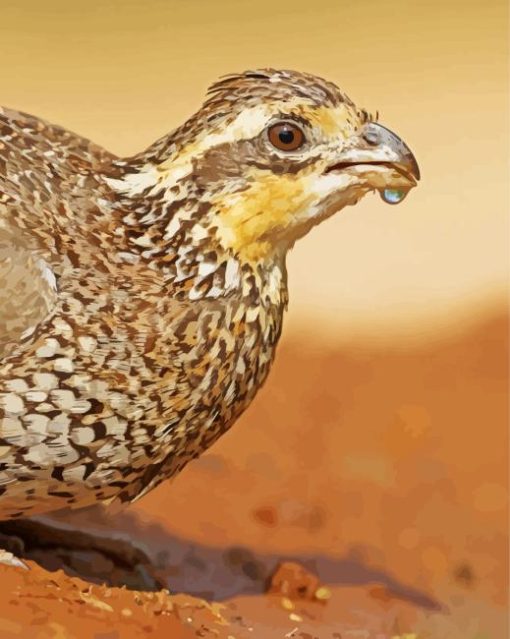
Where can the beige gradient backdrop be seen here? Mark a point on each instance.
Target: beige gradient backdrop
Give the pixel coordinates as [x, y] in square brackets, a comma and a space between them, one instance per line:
[124, 73]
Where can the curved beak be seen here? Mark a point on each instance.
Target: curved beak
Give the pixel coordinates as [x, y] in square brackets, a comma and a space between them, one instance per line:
[382, 155]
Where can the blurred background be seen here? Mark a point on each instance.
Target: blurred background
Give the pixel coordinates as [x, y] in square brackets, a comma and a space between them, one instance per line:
[125, 73]
[381, 435]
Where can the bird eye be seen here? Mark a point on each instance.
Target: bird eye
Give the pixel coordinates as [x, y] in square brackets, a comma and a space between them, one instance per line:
[286, 136]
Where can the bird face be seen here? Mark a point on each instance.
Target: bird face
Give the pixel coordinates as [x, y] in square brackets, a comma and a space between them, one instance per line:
[293, 165]
[276, 152]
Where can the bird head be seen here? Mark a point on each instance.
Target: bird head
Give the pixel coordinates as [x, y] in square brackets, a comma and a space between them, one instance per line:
[268, 156]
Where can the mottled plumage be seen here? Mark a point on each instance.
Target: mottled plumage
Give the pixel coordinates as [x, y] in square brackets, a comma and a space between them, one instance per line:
[142, 298]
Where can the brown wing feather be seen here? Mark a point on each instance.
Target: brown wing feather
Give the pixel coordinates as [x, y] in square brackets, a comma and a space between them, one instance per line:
[40, 167]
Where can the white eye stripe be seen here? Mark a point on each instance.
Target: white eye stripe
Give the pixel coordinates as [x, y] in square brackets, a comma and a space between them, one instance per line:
[154, 178]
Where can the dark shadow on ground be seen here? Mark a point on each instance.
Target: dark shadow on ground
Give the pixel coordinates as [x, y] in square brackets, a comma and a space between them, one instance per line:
[124, 550]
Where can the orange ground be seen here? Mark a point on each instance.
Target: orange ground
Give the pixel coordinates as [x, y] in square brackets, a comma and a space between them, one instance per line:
[383, 470]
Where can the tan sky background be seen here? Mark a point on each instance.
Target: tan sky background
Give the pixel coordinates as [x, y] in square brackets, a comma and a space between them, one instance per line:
[124, 73]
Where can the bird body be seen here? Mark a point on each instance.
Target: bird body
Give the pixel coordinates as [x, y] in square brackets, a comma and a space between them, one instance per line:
[143, 298]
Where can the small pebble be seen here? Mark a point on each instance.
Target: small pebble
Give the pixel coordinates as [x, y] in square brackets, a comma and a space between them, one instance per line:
[323, 593]
[287, 603]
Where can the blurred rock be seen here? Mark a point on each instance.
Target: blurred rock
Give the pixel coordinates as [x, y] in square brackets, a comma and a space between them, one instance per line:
[294, 581]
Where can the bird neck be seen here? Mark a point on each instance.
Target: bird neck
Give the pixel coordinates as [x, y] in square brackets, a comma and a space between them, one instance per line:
[176, 242]
[174, 232]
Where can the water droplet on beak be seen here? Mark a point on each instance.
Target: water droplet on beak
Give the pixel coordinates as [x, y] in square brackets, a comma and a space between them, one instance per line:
[393, 196]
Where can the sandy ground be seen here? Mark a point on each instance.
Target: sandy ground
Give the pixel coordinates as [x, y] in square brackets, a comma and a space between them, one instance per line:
[382, 470]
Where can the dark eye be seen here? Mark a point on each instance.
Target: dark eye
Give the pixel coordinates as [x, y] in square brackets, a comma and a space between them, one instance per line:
[286, 136]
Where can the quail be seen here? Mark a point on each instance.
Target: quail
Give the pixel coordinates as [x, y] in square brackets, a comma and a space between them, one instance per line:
[142, 298]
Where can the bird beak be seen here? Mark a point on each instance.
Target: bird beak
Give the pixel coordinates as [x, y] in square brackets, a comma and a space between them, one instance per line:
[381, 158]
